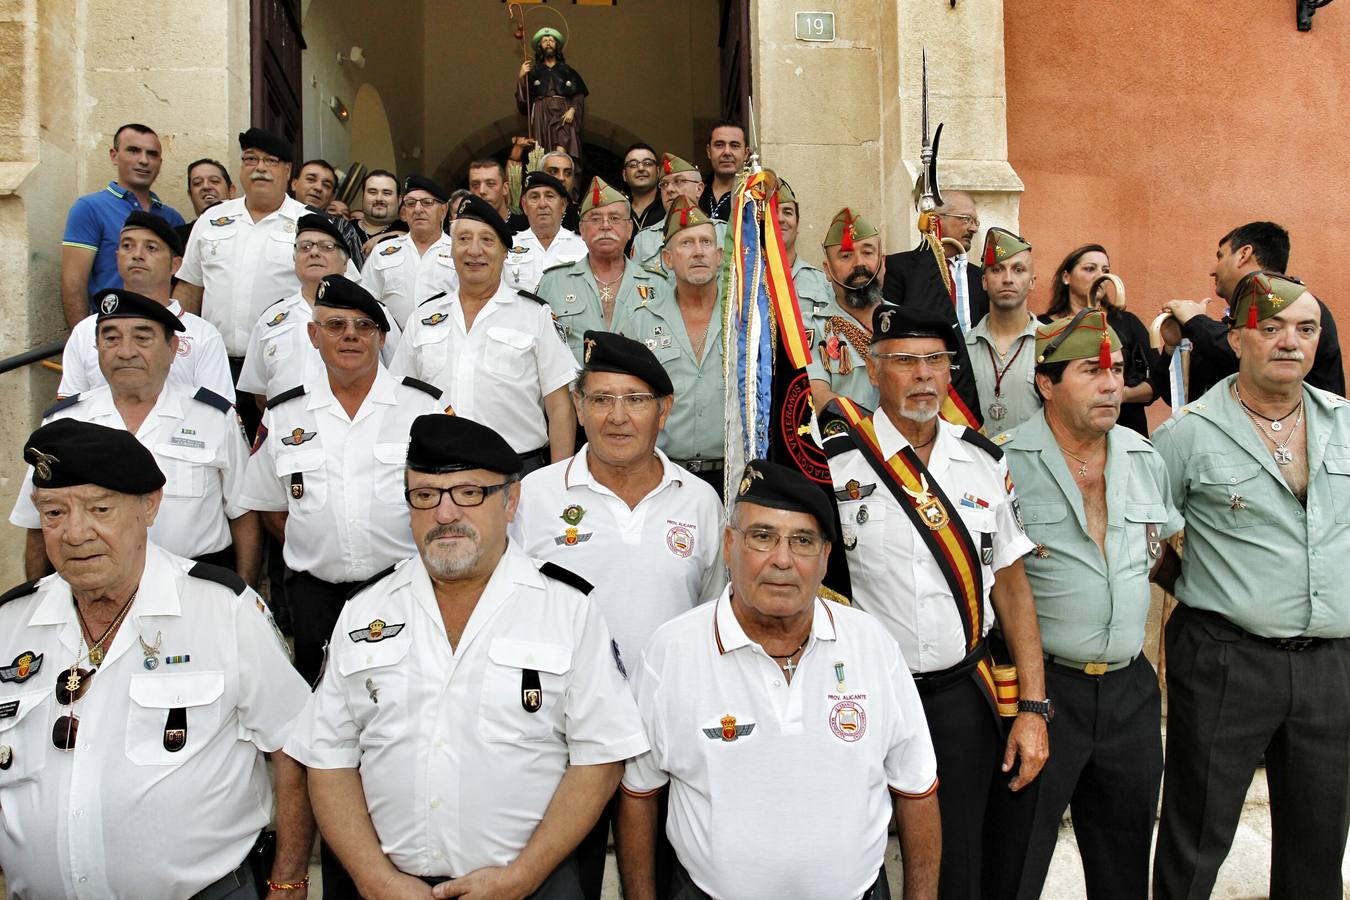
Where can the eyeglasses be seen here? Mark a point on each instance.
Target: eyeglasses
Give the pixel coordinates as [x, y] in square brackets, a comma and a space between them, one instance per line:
[640, 164]
[253, 162]
[632, 403]
[610, 219]
[307, 246]
[969, 221]
[66, 729]
[676, 180]
[414, 202]
[805, 544]
[462, 495]
[907, 362]
[337, 326]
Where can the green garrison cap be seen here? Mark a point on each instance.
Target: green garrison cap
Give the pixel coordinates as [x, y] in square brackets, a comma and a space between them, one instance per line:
[547, 32]
[1260, 295]
[684, 213]
[784, 192]
[673, 165]
[1000, 243]
[599, 194]
[845, 228]
[1085, 335]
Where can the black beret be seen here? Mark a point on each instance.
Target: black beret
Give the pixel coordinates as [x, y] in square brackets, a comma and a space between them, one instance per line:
[267, 142]
[543, 180]
[68, 452]
[779, 487]
[321, 222]
[890, 321]
[478, 209]
[422, 183]
[609, 352]
[337, 292]
[440, 443]
[119, 303]
[139, 218]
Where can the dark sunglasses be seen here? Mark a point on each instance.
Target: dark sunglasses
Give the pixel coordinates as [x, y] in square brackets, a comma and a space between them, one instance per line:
[70, 686]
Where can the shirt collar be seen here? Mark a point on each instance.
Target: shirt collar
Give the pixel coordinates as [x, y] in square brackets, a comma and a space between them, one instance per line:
[981, 330]
[948, 446]
[728, 634]
[381, 391]
[578, 472]
[58, 607]
[121, 194]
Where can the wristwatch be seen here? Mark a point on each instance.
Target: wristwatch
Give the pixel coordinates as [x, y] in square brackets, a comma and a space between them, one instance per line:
[1043, 708]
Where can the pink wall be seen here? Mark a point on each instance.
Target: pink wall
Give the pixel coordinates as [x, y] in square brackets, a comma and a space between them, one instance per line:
[1153, 128]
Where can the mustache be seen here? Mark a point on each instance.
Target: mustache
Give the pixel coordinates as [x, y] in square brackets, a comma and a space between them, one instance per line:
[441, 531]
[1295, 355]
[261, 176]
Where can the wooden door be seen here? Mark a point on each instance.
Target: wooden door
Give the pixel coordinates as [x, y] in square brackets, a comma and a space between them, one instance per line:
[734, 41]
[274, 30]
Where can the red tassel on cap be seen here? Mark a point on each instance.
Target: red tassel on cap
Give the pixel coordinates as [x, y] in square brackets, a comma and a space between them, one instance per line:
[665, 165]
[684, 216]
[595, 194]
[1251, 315]
[989, 259]
[1104, 355]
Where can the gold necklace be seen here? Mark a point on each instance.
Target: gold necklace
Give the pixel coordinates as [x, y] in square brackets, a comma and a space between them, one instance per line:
[1082, 463]
[96, 653]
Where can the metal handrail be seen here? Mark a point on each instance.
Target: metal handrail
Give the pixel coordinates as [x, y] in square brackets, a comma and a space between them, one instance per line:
[28, 357]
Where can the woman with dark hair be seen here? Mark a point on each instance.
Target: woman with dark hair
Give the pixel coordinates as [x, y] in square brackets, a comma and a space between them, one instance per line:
[1079, 282]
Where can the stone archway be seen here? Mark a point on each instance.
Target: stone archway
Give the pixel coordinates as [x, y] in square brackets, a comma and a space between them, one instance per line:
[603, 144]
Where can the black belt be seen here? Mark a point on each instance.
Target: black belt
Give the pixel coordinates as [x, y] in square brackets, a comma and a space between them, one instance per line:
[226, 885]
[543, 454]
[1289, 644]
[700, 465]
[932, 682]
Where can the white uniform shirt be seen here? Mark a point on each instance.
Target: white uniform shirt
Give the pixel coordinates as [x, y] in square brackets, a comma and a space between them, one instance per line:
[241, 265]
[401, 279]
[893, 575]
[497, 372]
[198, 446]
[732, 737]
[527, 259]
[281, 356]
[457, 773]
[648, 564]
[119, 815]
[350, 519]
[201, 359]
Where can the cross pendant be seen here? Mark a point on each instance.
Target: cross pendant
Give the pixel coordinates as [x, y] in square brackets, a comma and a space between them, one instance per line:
[789, 667]
[1283, 456]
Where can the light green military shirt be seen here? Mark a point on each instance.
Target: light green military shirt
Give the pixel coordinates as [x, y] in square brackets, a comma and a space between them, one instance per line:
[574, 297]
[1012, 373]
[839, 344]
[1091, 609]
[650, 241]
[812, 286]
[1254, 554]
[695, 429]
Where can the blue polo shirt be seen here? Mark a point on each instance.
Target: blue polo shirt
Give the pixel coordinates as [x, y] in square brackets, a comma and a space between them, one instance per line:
[95, 223]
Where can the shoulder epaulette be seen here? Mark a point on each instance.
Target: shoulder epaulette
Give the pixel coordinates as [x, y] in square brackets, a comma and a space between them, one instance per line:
[433, 298]
[530, 295]
[566, 576]
[422, 386]
[211, 398]
[371, 580]
[971, 436]
[22, 590]
[219, 575]
[273, 303]
[273, 402]
[61, 404]
[559, 266]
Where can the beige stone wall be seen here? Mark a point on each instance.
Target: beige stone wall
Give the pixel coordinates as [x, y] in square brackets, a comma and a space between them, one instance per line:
[841, 120]
[73, 71]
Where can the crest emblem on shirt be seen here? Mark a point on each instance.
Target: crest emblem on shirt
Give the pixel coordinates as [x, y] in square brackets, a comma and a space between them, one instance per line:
[680, 541]
[391, 249]
[573, 514]
[930, 508]
[570, 298]
[646, 291]
[571, 537]
[729, 730]
[848, 721]
[24, 667]
[278, 319]
[435, 319]
[375, 632]
[298, 436]
[6, 756]
[853, 490]
[109, 305]
[223, 221]
[184, 345]
[519, 249]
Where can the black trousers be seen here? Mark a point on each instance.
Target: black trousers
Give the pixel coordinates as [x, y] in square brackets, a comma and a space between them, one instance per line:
[1232, 697]
[315, 606]
[246, 407]
[593, 850]
[968, 744]
[1106, 766]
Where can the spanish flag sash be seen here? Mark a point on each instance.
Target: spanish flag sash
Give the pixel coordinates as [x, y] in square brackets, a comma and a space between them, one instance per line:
[938, 526]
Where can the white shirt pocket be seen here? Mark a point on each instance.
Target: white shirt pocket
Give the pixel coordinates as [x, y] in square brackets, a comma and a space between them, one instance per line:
[523, 684]
[171, 717]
